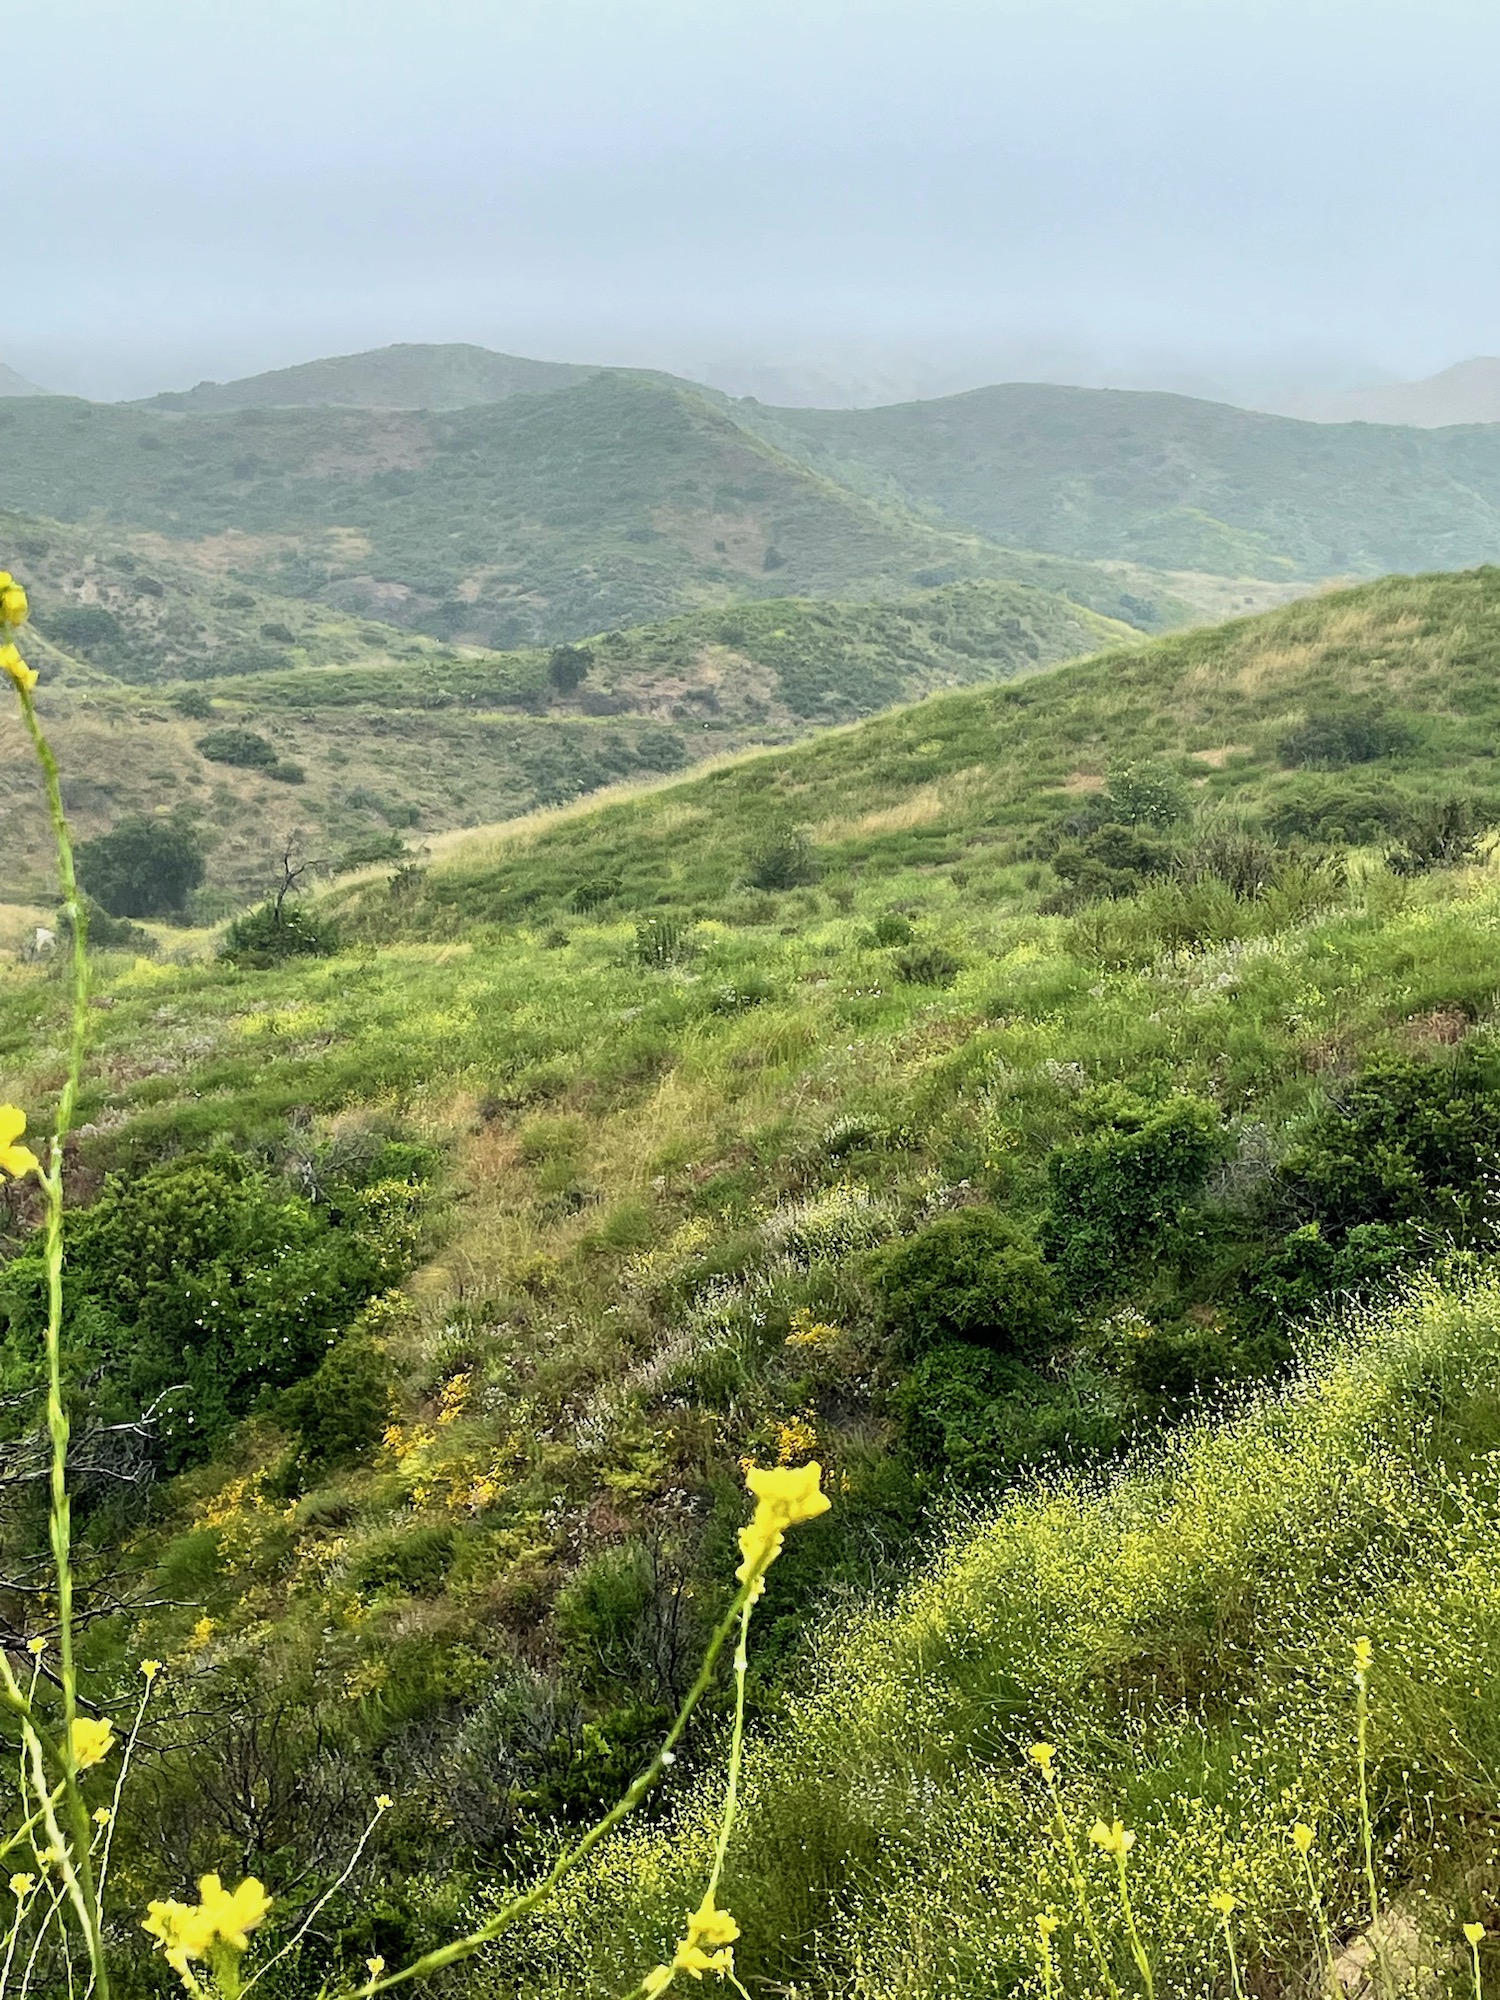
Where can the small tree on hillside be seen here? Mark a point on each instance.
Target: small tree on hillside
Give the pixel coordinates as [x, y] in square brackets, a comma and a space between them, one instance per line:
[143, 867]
[568, 667]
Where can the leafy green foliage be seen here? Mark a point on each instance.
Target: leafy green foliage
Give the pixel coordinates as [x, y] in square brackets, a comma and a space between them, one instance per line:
[972, 1277]
[242, 747]
[1331, 739]
[272, 933]
[143, 867]
[1443, 833]
[1119, 1193]
[205, 1283]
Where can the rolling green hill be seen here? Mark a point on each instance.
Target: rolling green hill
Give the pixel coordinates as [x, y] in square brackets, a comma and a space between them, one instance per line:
[409, 376]
[1168, 480]
[541, 518]
[149, 647]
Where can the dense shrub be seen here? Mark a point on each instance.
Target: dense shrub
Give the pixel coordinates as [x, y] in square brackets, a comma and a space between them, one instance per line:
[1444, 833]
[271, 934]
[193, 703]
[1118, 1193]
[781, 861]
[1408, 1143]
[143, 867]
[1339, 811]
[1113, 860]
[83, 628]
[973, 1277]
[242, 747]
[1145, 795]
[204, 1282]
[1332, 739]
[340, 1410]
[568, 667]
[927, 965]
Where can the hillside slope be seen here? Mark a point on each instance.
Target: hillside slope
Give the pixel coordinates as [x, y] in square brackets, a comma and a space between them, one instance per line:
[1170, 481]
[967, 1092]
[544, 517]
[408, 376]
[151, 647]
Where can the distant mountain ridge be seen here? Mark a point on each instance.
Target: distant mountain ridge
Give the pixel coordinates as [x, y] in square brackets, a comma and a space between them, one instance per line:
[12, 384]
[1467, 393]
[409, 376]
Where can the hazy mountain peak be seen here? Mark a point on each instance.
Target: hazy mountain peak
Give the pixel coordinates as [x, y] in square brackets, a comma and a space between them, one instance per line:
[1466, 393]
[12, 384]
[413, 375]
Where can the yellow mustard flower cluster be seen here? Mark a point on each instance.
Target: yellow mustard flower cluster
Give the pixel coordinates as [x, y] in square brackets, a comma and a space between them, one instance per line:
[13, 610]
[707, 1946]
[15, 1159]
[784, 1495]
[221, 1920]
[92, 1742]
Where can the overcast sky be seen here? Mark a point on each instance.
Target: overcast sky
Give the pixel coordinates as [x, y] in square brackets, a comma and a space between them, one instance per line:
[1102, 189]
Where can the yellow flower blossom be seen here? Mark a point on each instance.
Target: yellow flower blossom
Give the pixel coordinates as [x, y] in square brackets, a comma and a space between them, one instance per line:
[706, 1947]
[150, 1668]
[102, 1815]
[12, 664]
[1302, 1837]
[1048, 1926]
[36, 1647]
[1364, 1653]
[1473, 1932]
[384, 1802]
[375, 1966]
[1113, 1839]
[221, 1916]
[1223, 1902]
[784, 1495]
[13, 605]
[92, 1742]
[21, 1886]
[1041, 1754]
[16, 1160]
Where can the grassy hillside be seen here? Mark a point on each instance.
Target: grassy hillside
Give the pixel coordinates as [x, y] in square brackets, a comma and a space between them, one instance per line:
[541, 518]
[152, 649]
[1169, 481]
[965, 1093]
[408, 376]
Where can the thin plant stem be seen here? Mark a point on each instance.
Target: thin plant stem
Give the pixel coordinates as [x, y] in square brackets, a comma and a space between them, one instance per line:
[522, 1906]
[1137, 1948]
[60, 1510]
[1474, 1959]
[1081, 1889]
[327, 1896]
[1234, 1962]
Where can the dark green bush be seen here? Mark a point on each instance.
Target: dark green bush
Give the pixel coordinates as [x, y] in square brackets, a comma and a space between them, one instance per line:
[927, 965]
[1443, 833]
[287, 773]
[972, 1276]
[891, 928]
[374, 847]
[1146, 795]
[268, 936]
[979, 1417]
[1332, 739]
[82, 628]
[341, 1409]
[193, 703]
[1342, 811]
[143, 867]
[781, 861]
[241, 747]
[205, 1282]
[1407, 1143]
[1117, 1195]
[415, 1561]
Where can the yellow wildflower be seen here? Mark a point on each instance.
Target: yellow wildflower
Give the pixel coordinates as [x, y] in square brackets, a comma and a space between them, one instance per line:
[1041, 1754]
[384, 1802]
[784, 1495]
[1364, 1652]
[21, 1886]
[1302, 1837]
[375, 1966]
[12, 664]
[1223, 1902]
[1473, 1932]
[221, 1916]
[102, 1815]
[16, 1160]
[1113, 1839]
[36, 1647]
[13, 605]
[150, 1668]
[706, 1947]
[92, 1742]
[1048, 1926]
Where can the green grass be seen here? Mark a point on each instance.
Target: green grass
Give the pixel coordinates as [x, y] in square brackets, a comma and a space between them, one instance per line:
[681, 1116]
